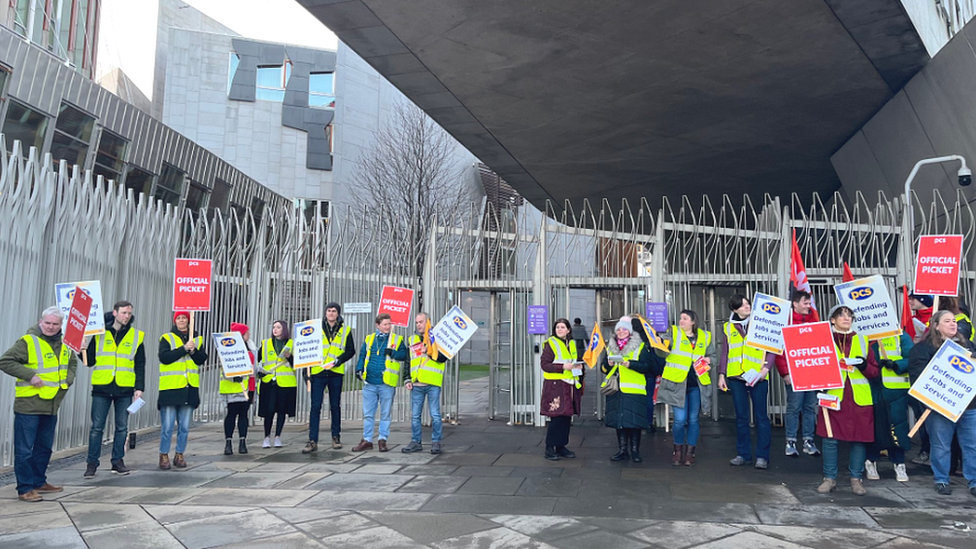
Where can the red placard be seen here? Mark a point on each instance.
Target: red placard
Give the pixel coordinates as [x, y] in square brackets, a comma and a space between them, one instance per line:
[396, 302]
[191, 285]
[937, 267]
[812, 357]
[74, 331]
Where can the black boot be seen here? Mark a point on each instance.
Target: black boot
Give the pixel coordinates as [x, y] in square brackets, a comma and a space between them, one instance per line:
[228, 448]
[564, 452]
[622, 440]
[635, 436]
[551, 454]
[242, 448]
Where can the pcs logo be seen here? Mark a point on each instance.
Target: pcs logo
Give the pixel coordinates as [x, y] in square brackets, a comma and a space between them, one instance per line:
[771, 308]
[307, 330]
[961, 364]
[227, 342]
[460, 323]
[861, 293]
[71, 293]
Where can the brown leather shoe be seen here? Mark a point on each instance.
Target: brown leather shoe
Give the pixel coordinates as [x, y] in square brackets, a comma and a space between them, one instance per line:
[363, 446]
[382, 445]
[48, 488]
[31, 497]
[164, 462]
[178, 461]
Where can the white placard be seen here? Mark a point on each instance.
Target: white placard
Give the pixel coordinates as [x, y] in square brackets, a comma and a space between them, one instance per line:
[233, 354]
[948, 384]
[307, 339]
[64, 293]
[874, 316]
[769, 315]
[136, 405]
[452, 331]
[363, 307]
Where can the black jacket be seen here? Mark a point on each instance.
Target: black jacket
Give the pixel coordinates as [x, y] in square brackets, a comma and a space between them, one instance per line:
[629, 411]
[112, 389]
[347, 354]
[187, 395]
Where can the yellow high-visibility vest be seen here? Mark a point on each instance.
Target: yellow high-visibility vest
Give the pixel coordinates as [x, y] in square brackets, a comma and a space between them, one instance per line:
[742, 357]
[424, 369]
[51, 368]
[860, 384]
[631, 382]
[391, 375]
[683, 355]
[116, 361]
[283, 374]
[181, 373]
[331, 349]
[889, 378]
[561, 354]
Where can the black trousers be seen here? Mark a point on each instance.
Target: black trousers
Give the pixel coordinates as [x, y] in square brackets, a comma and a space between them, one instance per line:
[557, 434]
[236, 412]
[268, 419]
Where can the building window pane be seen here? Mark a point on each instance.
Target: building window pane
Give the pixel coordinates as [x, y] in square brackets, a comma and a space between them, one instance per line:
[219, 198]
[272, 81]
[25, 125]
[140, 181]
[321, 90]
[235, 61]
[169, 187]
[196, 197]
[72, 134]
[110, 157]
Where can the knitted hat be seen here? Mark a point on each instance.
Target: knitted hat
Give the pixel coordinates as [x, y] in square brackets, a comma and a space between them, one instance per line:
[923, 299]
[334, 305]
[239, 328]
[836, 308]
[625, 323]
[177, 314]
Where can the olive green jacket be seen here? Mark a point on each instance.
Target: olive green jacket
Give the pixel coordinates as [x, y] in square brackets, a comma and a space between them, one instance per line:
[13, 362]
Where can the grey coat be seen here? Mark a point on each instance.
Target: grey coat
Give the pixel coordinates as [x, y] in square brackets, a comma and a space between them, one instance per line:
[673, 394]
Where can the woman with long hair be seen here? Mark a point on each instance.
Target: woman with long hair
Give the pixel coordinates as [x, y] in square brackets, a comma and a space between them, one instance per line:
[278, 389]
[561, 388]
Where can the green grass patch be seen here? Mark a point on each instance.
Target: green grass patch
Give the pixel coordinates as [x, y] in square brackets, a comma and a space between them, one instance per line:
[468, 372]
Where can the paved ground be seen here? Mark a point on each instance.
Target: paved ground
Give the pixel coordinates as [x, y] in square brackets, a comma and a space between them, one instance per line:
[491, 488]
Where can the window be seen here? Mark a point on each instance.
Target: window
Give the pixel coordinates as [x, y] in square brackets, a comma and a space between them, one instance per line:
[219, 197]
[257, 210]
[110, 156]
[72, 135]
[196, 197]
[235, 61]
[139, 180]
[25, 125]
[169, 188]
[315, 210]
[321, 90]
[272, 81]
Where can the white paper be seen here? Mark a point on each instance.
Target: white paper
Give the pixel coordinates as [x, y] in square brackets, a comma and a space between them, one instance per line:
[616, 359]
[136, 404]
[920, 326]
[577, 372]
[750, 376]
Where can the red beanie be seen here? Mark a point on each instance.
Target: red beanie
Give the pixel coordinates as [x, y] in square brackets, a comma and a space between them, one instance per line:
[179, 313]
[239, 328]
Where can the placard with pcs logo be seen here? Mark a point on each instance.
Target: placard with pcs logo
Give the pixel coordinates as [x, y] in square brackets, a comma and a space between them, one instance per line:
[452, 331]
[947, 384]
[233, 354]
[307, 339]
[874, 316]
[769, 315]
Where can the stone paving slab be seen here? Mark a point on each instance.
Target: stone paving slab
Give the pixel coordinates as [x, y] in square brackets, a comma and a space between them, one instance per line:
[142, 536]
[428, 527]
[497, 538]
[52, 538]
[217, 530]
[379, 537]
[368, 501]
[261, 498]
[826, 538]
[94, 516]
[544, 528]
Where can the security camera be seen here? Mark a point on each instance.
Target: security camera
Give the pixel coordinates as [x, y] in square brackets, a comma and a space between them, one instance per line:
[965, 177]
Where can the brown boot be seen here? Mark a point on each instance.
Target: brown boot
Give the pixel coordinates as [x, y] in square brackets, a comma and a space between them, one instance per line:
[382, 445]
[178, 461]
[48, 488]
[164, 462]
[363, 446]
[689, 455]
[678, 454]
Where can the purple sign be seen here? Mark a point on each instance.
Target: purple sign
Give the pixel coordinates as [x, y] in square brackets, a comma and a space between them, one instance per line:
[657, 315]
[538, 319]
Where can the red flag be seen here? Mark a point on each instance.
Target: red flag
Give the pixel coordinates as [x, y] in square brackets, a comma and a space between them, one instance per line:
[907, 325]
[848, 275]
[798, 276]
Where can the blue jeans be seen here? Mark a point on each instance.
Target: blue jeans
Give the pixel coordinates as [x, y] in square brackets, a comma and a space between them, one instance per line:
[99, 415]
[686, 419]
[741, 395]
[169, 415]
[373, 396]
[319, 385]
[433, 396]
[940, 432]
[33, 440]
[797, 403]
[830, 456]
[651, 382]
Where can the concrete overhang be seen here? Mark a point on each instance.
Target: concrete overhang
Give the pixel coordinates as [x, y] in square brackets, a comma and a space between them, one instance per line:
[573, 99]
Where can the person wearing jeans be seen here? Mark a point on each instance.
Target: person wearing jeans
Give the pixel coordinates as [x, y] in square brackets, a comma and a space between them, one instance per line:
[379, 368]
[426, 378]
[338, 348]
[169, 417]
[799, 403]
[180, 356]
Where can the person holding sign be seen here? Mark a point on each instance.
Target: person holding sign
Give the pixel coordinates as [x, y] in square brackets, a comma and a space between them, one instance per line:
[338, 347]
[118, 379]
[426, 379]
[180, 356]
[890, 394]
[943, 327]
[799, 403]
[379, 367]
[237, 393]
[279, 387]
[686, 371]
[847, 414]
[561, 388]
[744, 370]
[630, 359]
[44, 368]
[963, 324]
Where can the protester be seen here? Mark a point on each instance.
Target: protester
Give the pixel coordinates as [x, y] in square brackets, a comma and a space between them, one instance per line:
[426, 379]
[338, 348]
[799, 402]
[890, 395]
[921, 306]
[237, 393]
[379, 368]
[854, 421]
[561, 390]
[963, 323]
[118, 358]
[630, 359]
[44, 368]
[180, 355]
[736, 361]
[942, 327]
[692, 351]
[278, 389]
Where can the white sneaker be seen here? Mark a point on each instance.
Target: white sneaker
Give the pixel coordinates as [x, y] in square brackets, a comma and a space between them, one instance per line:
[278, 442]
[900, 474]
[266, 443]
[871, 470]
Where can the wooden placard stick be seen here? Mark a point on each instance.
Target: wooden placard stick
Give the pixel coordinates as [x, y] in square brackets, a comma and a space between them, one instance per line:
[826, 416]
[918, 424]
